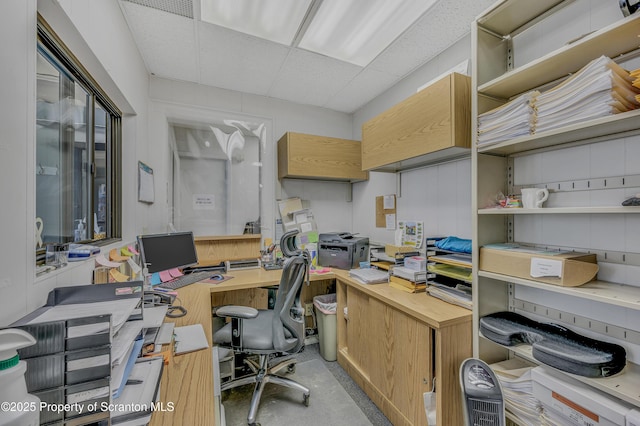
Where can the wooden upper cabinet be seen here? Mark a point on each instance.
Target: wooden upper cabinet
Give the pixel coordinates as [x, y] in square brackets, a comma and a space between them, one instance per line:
[319, 157]
[431, 126]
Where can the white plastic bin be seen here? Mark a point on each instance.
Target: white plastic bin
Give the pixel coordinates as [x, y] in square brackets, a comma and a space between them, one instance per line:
[325, 306]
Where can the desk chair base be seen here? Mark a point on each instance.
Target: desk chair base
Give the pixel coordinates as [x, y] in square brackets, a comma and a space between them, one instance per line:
[264, 374]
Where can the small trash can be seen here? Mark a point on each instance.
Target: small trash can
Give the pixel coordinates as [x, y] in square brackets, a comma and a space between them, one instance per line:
[325, 306]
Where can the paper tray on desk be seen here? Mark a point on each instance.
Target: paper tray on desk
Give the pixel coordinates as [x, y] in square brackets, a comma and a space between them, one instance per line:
[142, 394]
[65, 335]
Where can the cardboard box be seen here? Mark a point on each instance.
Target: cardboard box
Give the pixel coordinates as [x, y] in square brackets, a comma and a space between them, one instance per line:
[391, 250]
[573, 402]
[568, 269]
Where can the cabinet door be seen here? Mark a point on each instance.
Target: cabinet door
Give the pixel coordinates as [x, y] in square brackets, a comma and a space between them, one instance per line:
[433, 120]
[360, 330]
[400, 366]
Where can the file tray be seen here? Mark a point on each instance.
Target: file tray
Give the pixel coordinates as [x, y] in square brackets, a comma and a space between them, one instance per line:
[65, 335]
[555, 345]
[85, 395]
[67, 368]
[142, 392]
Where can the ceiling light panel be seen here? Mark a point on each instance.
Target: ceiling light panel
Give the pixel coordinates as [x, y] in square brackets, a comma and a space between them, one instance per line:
[274, 20]
[356, 31]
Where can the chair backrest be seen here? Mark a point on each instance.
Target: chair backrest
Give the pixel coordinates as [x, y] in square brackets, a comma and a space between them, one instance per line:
[288, 310]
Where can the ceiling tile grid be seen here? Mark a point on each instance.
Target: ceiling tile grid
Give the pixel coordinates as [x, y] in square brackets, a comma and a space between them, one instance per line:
[440, 27]
[180, 48]
[235, 61]
[166, 53]
[368, 84]
[311, 78]
[178, 7]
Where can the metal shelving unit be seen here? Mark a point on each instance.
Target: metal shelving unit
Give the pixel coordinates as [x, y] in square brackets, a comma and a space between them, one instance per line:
[495, 82]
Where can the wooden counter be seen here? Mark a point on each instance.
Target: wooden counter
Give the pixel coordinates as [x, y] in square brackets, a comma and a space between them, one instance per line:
[394, 344]
[187, 381]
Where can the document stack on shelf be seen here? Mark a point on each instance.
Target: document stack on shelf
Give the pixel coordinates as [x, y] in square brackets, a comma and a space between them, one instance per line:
[513, 119]
[517, 390]
[635, 74]
[599, 89]
[409, 280]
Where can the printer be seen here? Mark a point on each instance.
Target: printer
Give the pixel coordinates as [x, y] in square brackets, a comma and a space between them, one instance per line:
[342, 250]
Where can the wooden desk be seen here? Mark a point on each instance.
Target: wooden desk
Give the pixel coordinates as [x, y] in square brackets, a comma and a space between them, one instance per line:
[187, 381]
[394, 344]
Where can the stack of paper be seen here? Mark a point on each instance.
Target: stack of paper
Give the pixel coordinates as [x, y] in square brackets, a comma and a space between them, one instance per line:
[513, 119]
[599, 89]
[517, 390]
[408, 280]
[410, 274]
[459, 295]
[370, 275]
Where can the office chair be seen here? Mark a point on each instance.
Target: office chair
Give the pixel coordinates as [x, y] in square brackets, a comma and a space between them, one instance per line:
[270, 334]
[481, 394]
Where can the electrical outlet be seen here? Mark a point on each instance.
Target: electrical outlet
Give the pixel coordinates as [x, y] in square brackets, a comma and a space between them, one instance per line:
[308, 309]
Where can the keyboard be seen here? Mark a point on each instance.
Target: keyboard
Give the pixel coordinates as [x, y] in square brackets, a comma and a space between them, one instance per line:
[186, 280]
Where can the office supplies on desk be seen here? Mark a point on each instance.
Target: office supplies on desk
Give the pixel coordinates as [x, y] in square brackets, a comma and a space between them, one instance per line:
[120, 374]
[189, 338]
[140, 391]
[342, 250]
[370, 276]
[165, 334]
[186, 280]
[164, 252]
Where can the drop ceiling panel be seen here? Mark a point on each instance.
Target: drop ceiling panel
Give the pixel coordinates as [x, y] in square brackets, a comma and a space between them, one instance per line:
[235, 61]
[166, 53]
[367, 85]
[441, 26]
[311, 79]
[178, 7]
[180, 48]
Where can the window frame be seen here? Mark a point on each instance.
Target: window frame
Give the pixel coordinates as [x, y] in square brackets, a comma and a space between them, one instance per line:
[53, 49]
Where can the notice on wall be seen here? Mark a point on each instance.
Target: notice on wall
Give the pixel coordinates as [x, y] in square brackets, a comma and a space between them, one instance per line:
[386, 211]
[204, 201]
[145, 183]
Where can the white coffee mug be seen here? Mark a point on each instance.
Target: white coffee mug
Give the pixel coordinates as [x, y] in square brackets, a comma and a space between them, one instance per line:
[532, 198]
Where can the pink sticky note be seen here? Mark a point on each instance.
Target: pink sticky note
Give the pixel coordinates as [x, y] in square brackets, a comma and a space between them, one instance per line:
[165, 276]
[132, 249]
[175, 272]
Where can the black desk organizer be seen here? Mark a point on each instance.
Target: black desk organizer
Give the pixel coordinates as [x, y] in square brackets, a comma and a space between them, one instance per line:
[555, 345]
[51, 373]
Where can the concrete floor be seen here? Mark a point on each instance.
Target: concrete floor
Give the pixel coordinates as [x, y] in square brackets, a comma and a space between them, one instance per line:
[335, 398]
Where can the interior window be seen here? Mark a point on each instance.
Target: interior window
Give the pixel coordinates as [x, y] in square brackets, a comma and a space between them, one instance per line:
[76, 165]
[216, 177]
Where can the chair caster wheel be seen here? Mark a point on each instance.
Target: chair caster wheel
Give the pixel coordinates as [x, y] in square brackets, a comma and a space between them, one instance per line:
[305, 400]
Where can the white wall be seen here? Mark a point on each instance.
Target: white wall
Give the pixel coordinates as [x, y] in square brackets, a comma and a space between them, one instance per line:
[174, 99]
[440, 195]
[96, 33]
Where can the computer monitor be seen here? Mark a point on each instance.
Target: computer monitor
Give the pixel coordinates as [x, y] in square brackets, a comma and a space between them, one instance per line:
[161, 252]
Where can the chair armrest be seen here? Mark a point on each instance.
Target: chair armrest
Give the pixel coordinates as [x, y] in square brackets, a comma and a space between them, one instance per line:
[243, 312]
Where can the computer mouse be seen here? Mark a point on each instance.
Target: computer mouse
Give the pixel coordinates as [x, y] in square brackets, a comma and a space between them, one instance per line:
[217, 277]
